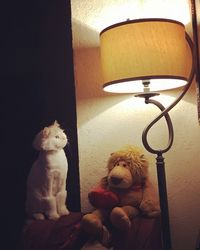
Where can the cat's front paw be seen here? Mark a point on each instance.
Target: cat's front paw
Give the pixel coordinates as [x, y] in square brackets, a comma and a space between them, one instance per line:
[53, 216]
[38, 216]
[63, 211]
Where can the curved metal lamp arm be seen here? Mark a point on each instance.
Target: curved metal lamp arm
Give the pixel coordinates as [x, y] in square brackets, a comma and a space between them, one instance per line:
[165, 111]
[169, 126]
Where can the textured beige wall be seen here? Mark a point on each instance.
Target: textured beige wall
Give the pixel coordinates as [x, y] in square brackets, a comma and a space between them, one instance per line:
[106, 122]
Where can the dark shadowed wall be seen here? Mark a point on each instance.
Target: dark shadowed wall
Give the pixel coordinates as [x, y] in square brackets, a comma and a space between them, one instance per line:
[37, 87]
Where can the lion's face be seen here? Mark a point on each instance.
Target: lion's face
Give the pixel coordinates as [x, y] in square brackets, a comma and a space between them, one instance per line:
[127, 168]
[120, 176]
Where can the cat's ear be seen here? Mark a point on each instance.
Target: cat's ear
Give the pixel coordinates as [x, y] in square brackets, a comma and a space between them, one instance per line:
[38, 141]
[56, 124]
[40, 138]
[45, 132]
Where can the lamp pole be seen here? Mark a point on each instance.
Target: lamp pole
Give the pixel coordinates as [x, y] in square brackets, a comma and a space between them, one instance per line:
[160, 164]
[163, 202]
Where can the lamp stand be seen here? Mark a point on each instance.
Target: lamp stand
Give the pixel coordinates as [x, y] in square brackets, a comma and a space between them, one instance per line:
[163, 202]
[166, 238]
[160, 164]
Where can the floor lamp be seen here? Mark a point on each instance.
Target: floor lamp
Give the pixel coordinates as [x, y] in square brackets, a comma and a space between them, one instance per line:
[143, 56]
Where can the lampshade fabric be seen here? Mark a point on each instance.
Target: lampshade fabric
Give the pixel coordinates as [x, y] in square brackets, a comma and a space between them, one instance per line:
[144, 49]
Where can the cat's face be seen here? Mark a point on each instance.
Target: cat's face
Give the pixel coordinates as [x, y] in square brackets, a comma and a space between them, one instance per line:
[51, 138]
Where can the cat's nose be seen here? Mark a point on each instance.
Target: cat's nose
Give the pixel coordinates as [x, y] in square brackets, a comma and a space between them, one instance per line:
[115, 180]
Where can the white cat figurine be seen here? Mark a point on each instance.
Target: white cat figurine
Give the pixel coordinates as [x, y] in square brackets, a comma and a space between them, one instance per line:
[46, 183]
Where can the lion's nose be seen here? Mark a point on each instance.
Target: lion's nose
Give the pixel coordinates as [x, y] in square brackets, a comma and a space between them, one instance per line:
[115, 180]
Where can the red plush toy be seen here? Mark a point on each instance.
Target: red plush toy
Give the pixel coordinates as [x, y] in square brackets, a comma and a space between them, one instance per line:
[102, 198]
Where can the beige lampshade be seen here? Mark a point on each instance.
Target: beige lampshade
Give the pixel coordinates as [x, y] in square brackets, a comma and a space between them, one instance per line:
[144, 49]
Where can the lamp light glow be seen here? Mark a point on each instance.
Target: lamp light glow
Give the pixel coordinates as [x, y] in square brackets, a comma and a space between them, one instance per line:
[144, 49]
[137, 86]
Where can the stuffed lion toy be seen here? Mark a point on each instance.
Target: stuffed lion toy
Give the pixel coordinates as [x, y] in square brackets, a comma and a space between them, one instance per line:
[124, 193]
